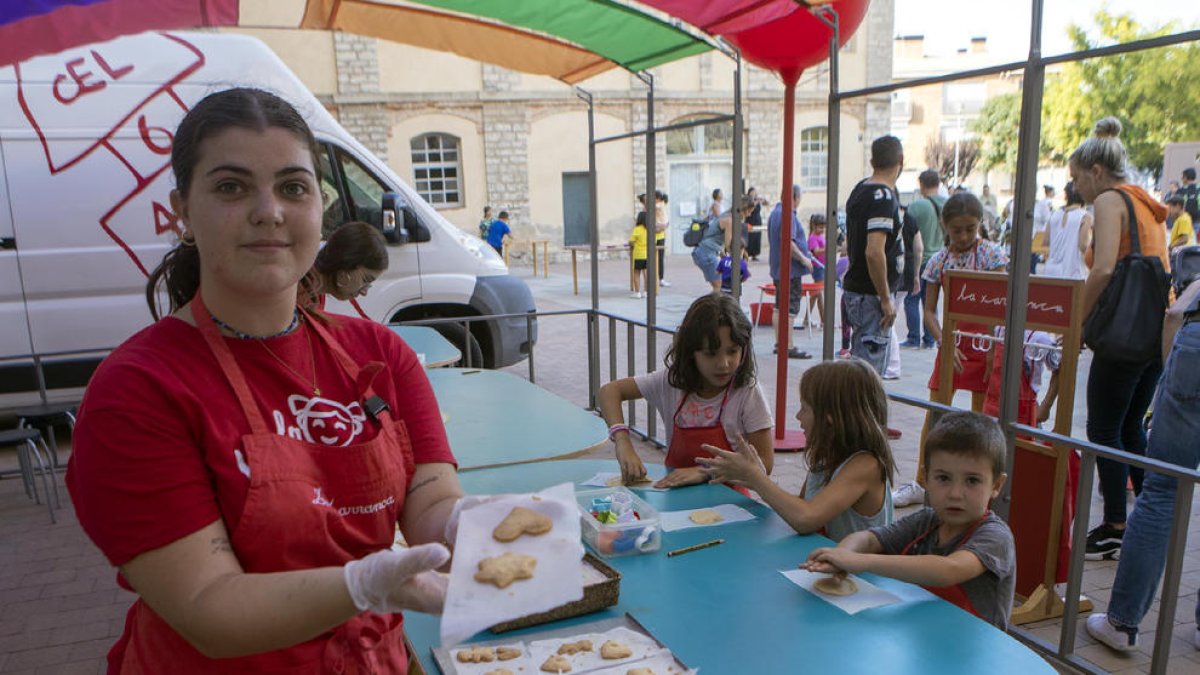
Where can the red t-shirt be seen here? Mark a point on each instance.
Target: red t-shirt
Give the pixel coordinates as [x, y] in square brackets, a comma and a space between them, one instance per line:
[157, 446]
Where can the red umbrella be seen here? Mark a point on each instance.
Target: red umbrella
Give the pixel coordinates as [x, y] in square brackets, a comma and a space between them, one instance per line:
[781, 36]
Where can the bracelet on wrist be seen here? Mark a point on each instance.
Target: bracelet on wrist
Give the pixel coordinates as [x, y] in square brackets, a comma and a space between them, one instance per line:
[616, 429]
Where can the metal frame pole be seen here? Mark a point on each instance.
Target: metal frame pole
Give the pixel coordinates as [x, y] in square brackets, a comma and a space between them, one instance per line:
[1022, 244]
[594, 237]
[735, 219]
[829, 17]
[651, 208]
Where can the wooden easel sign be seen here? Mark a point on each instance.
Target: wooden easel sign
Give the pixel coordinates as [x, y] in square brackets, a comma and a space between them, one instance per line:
[1042, 494]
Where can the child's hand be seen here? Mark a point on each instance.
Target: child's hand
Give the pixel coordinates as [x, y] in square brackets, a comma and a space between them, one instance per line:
[739, 467]
[632, 469]
[692, 475]
[832, 560]
[958, 360]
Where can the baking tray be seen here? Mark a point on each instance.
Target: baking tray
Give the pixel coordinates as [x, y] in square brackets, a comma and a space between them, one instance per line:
[446, 663]
[595, 598]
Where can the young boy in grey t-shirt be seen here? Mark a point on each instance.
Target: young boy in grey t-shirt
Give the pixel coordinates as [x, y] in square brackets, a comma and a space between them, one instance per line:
[956, 547]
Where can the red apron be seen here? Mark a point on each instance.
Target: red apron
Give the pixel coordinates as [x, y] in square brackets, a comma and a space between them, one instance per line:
[289, 522]
[953, 594]
[686, 441]
[1027, 406]
[974, 351]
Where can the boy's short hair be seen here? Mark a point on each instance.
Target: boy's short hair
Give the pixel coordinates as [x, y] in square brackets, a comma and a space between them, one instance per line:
[1175, 200]
[503, 215]
[969, 434]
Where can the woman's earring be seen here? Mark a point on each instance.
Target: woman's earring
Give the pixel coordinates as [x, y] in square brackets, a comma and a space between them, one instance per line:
[187, 238]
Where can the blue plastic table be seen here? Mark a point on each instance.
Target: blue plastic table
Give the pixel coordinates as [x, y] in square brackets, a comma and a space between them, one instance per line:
[727, 610]
[494, 418]
[437, 350]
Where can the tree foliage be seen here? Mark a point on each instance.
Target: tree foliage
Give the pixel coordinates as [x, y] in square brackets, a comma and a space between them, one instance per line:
[939, 155]
[1153, 92]
[997, 127]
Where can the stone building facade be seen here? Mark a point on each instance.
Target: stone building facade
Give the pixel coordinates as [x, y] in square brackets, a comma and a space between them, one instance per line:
[518, 138]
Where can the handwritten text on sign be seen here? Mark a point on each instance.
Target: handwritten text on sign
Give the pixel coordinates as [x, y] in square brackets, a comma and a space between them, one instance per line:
[1049, 301]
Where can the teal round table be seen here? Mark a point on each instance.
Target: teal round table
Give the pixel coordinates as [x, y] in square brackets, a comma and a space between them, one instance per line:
[494, 418]
[728, 610]
[434, 350]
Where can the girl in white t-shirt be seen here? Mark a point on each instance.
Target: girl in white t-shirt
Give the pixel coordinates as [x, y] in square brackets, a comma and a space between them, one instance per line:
[843, 411]
[1070, 233]
[707, 395]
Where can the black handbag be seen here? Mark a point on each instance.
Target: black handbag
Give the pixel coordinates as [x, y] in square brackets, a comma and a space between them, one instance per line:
[1126, 323]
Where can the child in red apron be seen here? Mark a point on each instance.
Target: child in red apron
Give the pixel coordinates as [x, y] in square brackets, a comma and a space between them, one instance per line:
[707, 395]
[843, 410]
[964, 251]
[956, 547]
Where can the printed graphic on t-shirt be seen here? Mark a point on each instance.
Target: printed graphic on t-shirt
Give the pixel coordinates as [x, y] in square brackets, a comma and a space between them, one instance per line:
[320, 420]
[696, 414]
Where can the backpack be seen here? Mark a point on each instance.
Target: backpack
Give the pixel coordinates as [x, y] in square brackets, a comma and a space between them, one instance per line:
[694, 234]
[1191, 200]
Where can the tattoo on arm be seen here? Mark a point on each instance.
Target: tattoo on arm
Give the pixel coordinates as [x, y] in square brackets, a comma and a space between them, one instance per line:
[221, 545]
[422, 484]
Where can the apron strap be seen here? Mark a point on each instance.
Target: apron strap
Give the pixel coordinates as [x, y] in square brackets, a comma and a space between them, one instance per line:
[720, 411]
[229, 366]
[362, 377]
[970, 531]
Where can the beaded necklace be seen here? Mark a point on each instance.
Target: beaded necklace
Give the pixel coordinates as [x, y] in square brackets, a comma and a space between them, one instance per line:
[246, 336]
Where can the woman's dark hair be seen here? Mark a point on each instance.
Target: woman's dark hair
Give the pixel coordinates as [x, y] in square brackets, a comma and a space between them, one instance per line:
[242, 108]
[850, 411]
[1071, 195]
[716, 193]
[699, 331]
[351, 246]
[960, 204]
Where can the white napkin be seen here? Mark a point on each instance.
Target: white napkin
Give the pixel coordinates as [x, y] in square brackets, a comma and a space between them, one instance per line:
[472, 606]
[681, 520]
[869, 595]
[661, 661]
[641, 646]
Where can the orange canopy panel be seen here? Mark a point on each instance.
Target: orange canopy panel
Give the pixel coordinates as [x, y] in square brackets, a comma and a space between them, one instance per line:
[492, 43]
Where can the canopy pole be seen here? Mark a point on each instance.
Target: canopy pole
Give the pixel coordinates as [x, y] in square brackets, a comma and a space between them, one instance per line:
[1022, 244]
[593, 243]
[783, 287]
[651, 222]
[735, 219]
[829, 16]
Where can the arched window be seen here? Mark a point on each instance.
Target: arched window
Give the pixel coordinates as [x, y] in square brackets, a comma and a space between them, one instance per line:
[437, 169]
[814, 153]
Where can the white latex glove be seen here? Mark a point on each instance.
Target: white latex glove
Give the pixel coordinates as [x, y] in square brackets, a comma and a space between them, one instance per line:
[450, 534]
[390, 581]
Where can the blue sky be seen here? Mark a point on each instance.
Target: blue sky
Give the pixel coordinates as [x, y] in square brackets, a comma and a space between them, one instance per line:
[949, 24]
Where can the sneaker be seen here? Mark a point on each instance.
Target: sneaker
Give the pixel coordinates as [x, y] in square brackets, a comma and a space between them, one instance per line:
[664, 283]
[844, 354]
[908, 494]
[1120, 639]
[911, 344]
[891, 376]
[635, 296]
[929, 345]
[1104, 543]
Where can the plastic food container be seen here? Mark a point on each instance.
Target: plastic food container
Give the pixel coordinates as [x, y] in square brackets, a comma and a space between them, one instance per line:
[641, 533]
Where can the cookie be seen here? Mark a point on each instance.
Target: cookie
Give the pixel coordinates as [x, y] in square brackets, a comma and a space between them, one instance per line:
[616, 481]
[502, 570]
[575, 647]
[639, 671]
[705, 517]
[507, 653]
[836, 585]
[615, 650]
[556, 664]
[522, 521]
[476, 655]
[499, 671]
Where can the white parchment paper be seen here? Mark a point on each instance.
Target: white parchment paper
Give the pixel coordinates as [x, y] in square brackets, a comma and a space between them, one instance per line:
[869, 595]
[681, 520]
[472, 606]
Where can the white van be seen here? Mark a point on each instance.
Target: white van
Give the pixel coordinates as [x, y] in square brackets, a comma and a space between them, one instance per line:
[85, 140]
